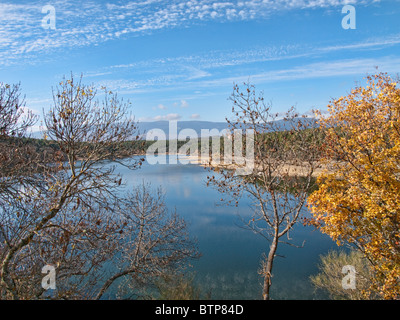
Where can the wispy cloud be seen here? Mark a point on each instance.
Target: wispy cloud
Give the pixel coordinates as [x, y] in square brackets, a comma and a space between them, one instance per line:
[85, 23]
[317, 70]
[373, 43]
[166, 117]
[195, 116]
[200, 66]
[224, 67]
[214, 66]
[22, 35]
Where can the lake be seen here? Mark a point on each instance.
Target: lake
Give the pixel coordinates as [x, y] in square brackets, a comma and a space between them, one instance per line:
[231, 255]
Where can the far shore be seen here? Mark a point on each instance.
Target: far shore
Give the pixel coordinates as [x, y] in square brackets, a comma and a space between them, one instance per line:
[286, 169]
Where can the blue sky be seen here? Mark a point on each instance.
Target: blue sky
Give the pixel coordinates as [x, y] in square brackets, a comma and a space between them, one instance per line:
[178, 60]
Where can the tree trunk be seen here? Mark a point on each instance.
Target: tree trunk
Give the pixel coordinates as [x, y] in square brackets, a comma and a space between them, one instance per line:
[267, 268]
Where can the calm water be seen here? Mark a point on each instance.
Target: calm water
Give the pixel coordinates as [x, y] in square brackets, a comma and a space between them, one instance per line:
[231, 255]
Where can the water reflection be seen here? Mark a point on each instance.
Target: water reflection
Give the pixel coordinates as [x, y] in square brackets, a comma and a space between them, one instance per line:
[231, 255]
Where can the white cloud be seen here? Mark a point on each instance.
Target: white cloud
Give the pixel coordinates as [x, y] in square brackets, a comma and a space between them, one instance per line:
[168, 117]
[84, 23]
[96, 74]
[195, 116]
[184, 104]
[370, 43]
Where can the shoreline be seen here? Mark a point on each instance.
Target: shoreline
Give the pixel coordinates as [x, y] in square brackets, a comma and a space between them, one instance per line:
[286, 169]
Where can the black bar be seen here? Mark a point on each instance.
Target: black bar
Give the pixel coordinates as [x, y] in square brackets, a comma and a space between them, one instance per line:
[202, 309]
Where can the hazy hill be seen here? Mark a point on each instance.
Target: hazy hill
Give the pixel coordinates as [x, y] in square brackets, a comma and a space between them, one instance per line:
[197, 126]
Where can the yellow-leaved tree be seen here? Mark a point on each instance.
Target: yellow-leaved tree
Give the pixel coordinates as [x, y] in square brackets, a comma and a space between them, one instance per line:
[358, 199]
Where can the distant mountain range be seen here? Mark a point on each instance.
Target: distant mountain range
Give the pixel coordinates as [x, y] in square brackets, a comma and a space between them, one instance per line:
[209, 128]
[193, 128]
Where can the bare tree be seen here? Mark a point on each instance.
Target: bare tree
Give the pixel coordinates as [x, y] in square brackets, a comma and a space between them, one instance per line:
[15, 119]
[18, 159]
[155, 243]
[70, 217]
[286, 156]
